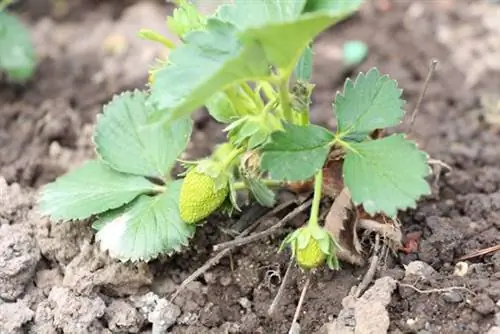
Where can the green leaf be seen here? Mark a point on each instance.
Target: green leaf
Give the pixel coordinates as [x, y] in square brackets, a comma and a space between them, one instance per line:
[17, 54]
[263, 195]
[90, 189]
[232, 50]
[371, 102]
[386, 174]
[258, 13]
[207, 62]
[297, 153]
[221, 108]
[128, 143]
[146, 228]
[185, 19]
[304, 68]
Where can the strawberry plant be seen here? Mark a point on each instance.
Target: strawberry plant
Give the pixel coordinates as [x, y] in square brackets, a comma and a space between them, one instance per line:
[17, 54]
[250, 65]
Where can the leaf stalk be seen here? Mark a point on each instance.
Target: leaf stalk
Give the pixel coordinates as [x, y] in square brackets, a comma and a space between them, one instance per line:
[318, 186]
[240, 185]
[286, 103]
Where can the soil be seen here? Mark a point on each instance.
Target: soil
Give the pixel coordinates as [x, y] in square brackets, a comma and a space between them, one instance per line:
[54, 280]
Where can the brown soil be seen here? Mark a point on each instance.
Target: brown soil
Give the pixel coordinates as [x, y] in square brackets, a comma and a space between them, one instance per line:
[52, 278]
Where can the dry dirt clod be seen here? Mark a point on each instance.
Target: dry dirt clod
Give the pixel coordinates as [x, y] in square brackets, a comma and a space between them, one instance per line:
[122, 317]
[93, 269]
[76, 314]
[19, 256]
[366, 315]
[164, 316]
[13, 316]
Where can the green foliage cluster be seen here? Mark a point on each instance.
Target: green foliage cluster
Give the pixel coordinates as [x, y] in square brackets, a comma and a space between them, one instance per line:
[250, 65]
[17, 54]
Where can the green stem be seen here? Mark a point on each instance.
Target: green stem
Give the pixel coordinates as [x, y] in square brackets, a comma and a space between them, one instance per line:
[251, 94]
[229, 160]
[304, 117]
[240, 185]
[318, 185]
[285, 99]
[268, 90]
[159, 189]
[156, 37]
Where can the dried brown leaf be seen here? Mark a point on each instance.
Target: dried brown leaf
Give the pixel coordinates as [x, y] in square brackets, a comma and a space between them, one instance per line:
[341, 223]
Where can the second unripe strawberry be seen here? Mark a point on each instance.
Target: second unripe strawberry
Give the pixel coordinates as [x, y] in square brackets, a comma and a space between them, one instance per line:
[311, 256]
[199, 196]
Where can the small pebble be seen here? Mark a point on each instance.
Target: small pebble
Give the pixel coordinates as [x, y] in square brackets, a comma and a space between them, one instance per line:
[452, 297]
[483, 304]
[419, 269]
[461, 269]
[225, 280]
[245, 303]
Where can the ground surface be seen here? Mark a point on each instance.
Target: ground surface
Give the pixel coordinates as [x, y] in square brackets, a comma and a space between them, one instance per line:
[52, 278]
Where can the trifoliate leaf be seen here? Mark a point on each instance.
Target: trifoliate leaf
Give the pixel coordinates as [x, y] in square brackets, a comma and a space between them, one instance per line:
[207, 62]
[185, 19]
[372, 101]
[146, 228]
[90, 189]
[296, 153]
[386, 174]
[17, 54]
[128, 143]
[226, 52]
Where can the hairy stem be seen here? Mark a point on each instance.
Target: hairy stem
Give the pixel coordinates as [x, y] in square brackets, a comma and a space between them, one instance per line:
[285, 99]
[240, 185]
[318, 185]
[304, 117]
[268, 90]
[251, 94]
[231, 157]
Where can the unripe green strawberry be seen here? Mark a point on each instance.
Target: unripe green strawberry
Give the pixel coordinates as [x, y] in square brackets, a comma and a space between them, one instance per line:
[310, 256]
[199, 196]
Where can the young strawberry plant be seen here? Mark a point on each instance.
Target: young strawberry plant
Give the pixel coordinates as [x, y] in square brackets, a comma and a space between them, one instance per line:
[250, 65]
[17, 54]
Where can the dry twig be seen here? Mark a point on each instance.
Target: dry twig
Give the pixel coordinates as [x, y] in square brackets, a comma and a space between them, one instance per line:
[281, 289]
[480, 252]
[243, 240]
[432, 69]
[217, 257]
[293, 328]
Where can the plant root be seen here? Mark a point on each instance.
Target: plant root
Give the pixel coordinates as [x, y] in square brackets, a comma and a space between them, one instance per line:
[370, 273]
[441, 290]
